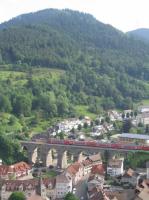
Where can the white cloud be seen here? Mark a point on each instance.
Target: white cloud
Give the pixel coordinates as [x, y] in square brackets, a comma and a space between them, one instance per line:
[123, 14]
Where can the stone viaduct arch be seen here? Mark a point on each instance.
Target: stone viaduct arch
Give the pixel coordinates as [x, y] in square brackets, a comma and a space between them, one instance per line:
[60, 156]
[51, 157]
[32, 152]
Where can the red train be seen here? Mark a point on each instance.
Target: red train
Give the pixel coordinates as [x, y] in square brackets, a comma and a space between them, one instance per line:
[99, 144]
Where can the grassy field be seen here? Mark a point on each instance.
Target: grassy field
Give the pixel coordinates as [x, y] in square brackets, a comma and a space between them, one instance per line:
[16, 77]
[11, 124]
[144, 102]
[42, 125]
[11, 74]
[54, 74]
[83, 110]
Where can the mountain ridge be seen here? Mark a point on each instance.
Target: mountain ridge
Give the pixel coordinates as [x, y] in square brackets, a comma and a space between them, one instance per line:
[100, 61]
[140, 33]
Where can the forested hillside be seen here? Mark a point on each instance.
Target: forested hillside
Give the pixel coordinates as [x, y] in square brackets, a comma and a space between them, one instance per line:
[141, 33]
[100, 67]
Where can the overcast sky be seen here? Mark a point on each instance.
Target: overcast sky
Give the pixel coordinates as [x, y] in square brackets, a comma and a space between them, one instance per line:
[122, 14]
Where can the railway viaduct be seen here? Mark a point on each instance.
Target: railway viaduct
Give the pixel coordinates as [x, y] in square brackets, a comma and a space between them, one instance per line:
[60, 155]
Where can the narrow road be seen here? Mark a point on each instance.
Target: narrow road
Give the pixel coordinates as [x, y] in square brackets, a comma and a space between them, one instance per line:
[81, 189]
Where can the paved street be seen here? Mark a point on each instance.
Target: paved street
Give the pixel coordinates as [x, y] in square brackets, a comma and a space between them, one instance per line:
[81, 189]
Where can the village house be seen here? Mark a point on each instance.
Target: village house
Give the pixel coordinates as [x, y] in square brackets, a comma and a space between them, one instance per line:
[87, 164]
[108, 127]
[69, 124]
[143, 109]
[95, 180]
[41, 189]
[114, 115]
[98, 130]
[97, 190]
[143, 118]
[115, 167]
[95, 159]
[143, 115]
[118, 193]
[63, 185]
[97, 194]
[14, 171]
[131, 177]
[86, 120]
[90, 161]
[132, 138]
[76, 171]
[98, 169]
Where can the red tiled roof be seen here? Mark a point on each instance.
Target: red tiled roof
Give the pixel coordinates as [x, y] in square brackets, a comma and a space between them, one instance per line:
[97, 194]
[13, 185]
[95, 158]
[3, 170]
[86, 162]
[98, 169]
[74, 168]
[21, 166]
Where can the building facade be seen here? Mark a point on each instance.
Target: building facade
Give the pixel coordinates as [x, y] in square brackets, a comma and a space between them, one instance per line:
[63, 185]
[30, 188]
[14, 171]
[115, 167]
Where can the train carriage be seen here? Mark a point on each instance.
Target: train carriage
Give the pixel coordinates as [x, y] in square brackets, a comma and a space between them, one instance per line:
[93, 143]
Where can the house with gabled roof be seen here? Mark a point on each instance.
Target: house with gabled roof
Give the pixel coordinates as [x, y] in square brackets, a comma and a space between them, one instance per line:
[76, 171]
[115, 167]
[63, 185]
[14, 171]
[31, 188]
[130, 176]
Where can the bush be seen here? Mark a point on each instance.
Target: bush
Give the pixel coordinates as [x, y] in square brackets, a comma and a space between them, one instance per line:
[17, 196]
